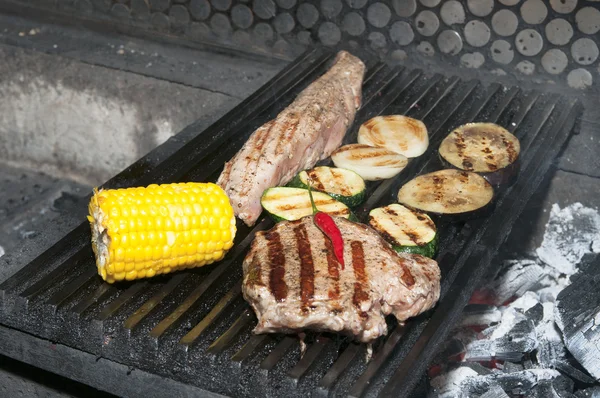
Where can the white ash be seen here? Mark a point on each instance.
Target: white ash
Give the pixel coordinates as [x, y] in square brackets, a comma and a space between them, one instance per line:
[571, 232]
[520, 276]
[526, 301]
[464, 382]
[510, 317]
[1, 251]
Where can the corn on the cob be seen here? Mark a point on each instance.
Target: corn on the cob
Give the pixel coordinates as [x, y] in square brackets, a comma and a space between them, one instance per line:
[142, 232]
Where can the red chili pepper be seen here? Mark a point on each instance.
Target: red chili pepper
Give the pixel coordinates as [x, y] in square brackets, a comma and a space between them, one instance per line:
[327, 225]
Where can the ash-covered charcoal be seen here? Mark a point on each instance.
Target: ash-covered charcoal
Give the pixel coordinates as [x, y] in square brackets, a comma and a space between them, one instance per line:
[592, 392]
[561, 387]
[450, 384]
[464, 382]
[572, 370]
[521, 276]
[551, 347]
[511, 346]
[534, 310]
[511, 367]
[535, 313]
[577, 315]
[495, 392]
[571, 232]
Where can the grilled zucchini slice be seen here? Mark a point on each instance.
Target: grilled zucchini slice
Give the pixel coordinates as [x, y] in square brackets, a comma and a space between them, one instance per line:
[447, 192]
[484, 148]
[369, 162]
[288, 203]
[408, 231]
[398, 133]
[343, 185]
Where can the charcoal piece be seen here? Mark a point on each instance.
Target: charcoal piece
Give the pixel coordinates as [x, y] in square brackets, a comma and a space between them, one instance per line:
[535, 313]
[479, 368]
[528, 364]
[521, 276]
[511, 367]
[547, 389]
[592, 392]
[571, 232]
[563, 384]
[511, 346]
[495, 392]
[579, 323]
[521, 383]
[466, 382]
[550, 352]
[566, 368]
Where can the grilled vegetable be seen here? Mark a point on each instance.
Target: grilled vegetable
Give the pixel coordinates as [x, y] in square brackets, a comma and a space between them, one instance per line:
[341, 184]
[484, 148]
[327, 225]
[401, 134]
[141, 232]
[287, 203]
[406, 230]
[447, 192]
[369, 162]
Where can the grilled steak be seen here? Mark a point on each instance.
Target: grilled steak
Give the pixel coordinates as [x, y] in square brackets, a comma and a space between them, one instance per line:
[305, 132]
[293, 281]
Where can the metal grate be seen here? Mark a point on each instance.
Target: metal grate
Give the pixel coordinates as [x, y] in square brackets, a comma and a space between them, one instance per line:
[195, 327]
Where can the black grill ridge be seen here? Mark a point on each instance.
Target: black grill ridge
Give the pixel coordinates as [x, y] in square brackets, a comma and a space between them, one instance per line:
[195, 327]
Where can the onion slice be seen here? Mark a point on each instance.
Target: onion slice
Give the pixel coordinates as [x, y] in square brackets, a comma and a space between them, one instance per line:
[369, 162]
[401, 134]
[447, 192]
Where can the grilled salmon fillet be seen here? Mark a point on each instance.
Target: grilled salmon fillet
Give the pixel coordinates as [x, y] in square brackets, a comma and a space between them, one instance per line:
[294, 283]
[307, 131]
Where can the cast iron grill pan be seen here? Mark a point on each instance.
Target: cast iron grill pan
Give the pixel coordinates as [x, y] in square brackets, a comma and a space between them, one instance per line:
[194, 326]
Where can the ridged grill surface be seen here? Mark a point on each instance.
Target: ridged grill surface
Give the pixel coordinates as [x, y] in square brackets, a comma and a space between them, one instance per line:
[194, 326]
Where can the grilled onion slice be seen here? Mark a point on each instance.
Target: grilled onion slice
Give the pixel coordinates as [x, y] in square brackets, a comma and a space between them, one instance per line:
[369, 162]
[484, 148]
[401, 134]
[447, 192]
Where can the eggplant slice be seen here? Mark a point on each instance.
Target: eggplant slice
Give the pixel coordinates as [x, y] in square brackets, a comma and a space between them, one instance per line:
[398, 133]
[484, 148]
[447, 192]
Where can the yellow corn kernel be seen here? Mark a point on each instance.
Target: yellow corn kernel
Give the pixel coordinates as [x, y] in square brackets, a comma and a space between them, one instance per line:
[141, 232]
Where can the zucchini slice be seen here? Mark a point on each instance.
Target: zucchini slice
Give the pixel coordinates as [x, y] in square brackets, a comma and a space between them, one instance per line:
[369, 162]
[408, 231]
[447, 192]
[287, 203]
[343, 185]
[484, 148]
[398, 133]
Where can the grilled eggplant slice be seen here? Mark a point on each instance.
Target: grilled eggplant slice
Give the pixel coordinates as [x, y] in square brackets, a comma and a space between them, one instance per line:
[408, 231]
[484, 148]
[369, 162]
[448, 191]
[398, 133]
[343, 185]
[288, 203]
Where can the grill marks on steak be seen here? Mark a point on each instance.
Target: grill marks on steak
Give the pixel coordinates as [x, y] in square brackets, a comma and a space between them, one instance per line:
[308, 130]
[294, 282]
[307, 268]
